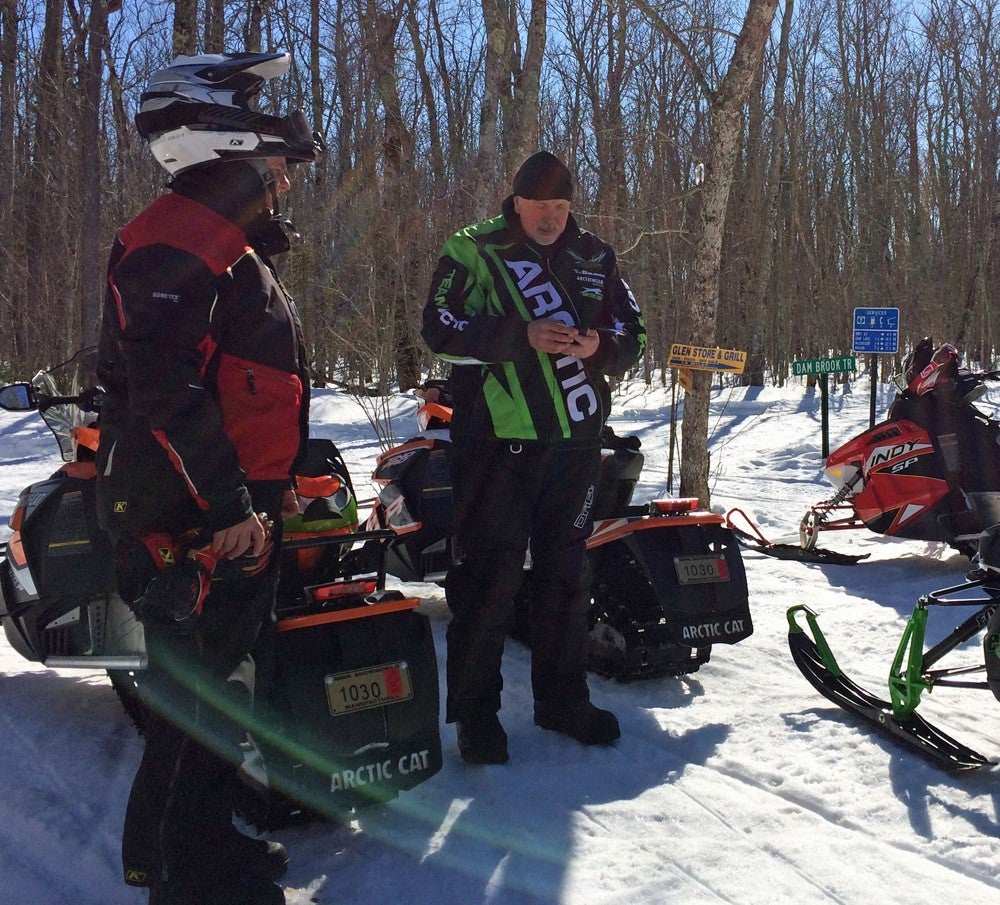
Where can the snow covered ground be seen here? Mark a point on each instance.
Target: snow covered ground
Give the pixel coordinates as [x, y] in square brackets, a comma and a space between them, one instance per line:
[738, 784]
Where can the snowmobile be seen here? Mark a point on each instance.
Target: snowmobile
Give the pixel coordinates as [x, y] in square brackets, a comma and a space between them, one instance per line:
[915, 670]
[930, 471]
[353, 704]
[668, 579]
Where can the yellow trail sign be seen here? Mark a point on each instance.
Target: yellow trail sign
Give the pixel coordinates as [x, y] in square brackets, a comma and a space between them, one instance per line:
[704, 358]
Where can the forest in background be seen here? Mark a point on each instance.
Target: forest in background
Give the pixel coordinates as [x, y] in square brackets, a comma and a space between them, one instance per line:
[867, 175]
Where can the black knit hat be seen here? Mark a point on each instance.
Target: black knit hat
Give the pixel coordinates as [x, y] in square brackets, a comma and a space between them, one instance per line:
[543, 177]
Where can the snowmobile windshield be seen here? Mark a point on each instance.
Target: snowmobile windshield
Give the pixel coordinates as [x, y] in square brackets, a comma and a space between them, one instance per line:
[942, 367]
[71, 378]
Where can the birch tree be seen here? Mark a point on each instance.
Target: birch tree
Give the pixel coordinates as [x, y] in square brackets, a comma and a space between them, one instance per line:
[726, 103]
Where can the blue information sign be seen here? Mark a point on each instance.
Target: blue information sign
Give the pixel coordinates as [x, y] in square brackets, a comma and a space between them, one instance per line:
[876, 330]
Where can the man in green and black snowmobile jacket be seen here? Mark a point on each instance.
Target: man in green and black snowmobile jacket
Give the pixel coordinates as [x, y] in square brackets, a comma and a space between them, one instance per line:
[492, 281]
[532, 313]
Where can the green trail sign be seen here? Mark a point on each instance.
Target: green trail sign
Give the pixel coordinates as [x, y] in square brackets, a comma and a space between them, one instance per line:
[820, 366]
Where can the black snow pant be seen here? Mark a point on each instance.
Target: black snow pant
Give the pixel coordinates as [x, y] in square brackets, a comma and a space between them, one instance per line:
[506, 493]
[198, 695]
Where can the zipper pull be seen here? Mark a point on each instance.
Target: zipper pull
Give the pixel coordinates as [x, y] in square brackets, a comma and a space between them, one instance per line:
[250, 385]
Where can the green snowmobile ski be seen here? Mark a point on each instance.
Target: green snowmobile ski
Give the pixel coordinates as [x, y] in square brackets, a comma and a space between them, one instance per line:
[913, 670]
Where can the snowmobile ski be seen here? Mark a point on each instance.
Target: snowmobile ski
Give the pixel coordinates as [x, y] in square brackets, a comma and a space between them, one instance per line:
[815, 660]
[754, 540]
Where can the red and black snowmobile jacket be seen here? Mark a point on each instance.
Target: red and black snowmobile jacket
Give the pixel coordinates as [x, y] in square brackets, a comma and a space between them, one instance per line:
[202, 360]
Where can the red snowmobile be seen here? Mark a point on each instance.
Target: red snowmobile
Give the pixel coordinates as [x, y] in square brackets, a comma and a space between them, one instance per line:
[930, 471]
[668, 580]
[353, 706]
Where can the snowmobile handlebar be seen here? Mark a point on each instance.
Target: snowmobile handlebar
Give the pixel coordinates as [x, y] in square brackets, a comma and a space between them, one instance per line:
[88, 401]
[26, 397]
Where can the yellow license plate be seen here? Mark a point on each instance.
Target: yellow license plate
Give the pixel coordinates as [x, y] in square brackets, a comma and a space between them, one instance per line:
[375, 686]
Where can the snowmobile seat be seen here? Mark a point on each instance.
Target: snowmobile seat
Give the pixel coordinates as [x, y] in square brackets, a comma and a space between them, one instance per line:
[620, 470]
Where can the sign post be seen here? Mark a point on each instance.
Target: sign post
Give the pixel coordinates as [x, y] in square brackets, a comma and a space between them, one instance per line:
[876, 331]
[687, 358]
[822, 367]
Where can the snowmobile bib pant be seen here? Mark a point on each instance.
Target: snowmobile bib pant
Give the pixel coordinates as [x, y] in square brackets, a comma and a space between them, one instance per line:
[197, 693]
[506, 493]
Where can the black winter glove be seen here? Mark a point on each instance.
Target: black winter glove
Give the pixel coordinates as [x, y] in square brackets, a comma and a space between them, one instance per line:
[175, 597]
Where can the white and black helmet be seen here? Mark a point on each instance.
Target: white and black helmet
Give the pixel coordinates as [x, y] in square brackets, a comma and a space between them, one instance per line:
[202, 109]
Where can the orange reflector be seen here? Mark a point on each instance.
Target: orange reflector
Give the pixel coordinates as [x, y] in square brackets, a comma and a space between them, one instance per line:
[315, 488]
[15, 550]
[431, 410]
[342, 589]
[669, 507]
[87, 437]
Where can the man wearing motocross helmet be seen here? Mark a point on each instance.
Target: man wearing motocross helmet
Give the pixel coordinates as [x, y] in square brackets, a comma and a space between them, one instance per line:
[205, 416]
[532, 313]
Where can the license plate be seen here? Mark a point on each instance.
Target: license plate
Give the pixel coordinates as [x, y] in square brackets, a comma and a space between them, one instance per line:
[361, 689]
[700, 569]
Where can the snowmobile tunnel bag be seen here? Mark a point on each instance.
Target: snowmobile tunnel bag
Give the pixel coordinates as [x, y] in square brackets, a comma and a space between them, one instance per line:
[417, 499]
[620, 470]
[57, 598]
[70, 555]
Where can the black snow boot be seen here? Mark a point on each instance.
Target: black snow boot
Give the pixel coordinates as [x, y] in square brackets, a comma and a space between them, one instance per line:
[255, 856]
[482, 740]
[239, 853]
[580, 720]
[242, 890]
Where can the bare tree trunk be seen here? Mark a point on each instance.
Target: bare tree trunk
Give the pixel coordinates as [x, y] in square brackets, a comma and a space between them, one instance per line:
[254, 31]
[764, 247]
[185, 39]
[8, 161]
[90, 176]
[315, 76]
[483, 181]
[457, 130]
[8, 107]
[521, 125]
[397, 153]
[345, 98]
[598, 42]
[215, 25]
[726, 105]
[427, 88]
[44, 234]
